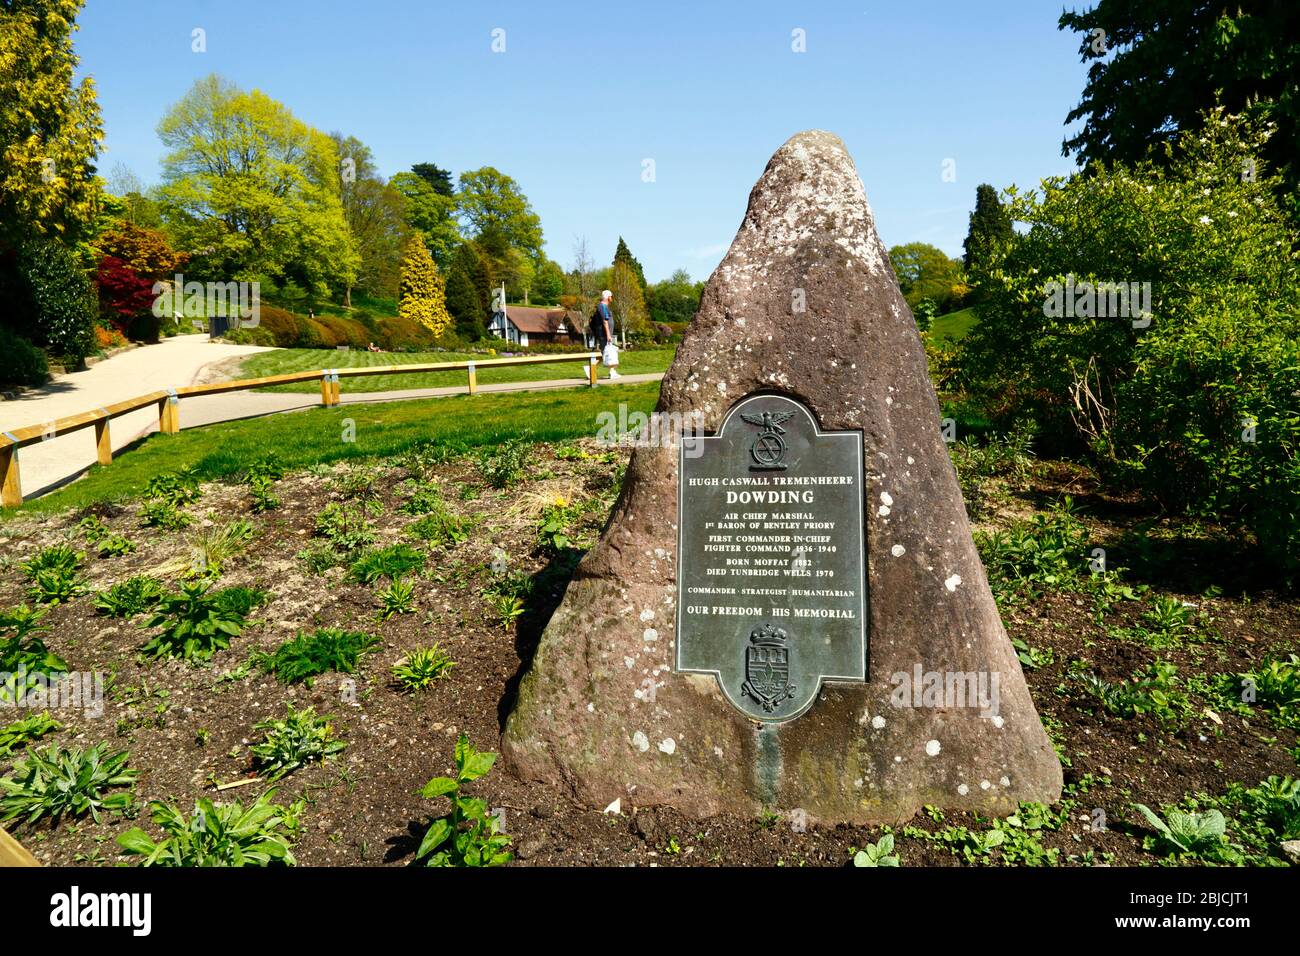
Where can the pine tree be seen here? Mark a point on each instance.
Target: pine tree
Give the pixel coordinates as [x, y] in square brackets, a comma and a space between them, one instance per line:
[624, 255]
[423, 292]
[464, 302]
[990, 224]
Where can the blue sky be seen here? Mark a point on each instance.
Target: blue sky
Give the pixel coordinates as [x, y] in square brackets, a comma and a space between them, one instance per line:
[586, 92]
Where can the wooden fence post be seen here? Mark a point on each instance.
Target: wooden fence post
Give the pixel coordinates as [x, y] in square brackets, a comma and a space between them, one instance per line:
[103, 440]
[170, 419]
[11, 491]
[334, 387]
[592, 367]
[13, 853]
[473, 379]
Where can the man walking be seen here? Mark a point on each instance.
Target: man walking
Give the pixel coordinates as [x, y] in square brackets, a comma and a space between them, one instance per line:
[604, 330]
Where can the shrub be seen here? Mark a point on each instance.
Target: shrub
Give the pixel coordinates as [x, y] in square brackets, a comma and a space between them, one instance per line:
[301, 738]
[277, 324]
[53, 782]
[466, 836]
[195, 624]
[221, 834]
[310, 655]
[21, 363]
[1197, 407]
[52, 302]
[404, 335]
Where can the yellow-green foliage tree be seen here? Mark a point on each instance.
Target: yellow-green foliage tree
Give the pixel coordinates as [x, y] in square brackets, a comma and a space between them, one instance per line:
[423, 297]
[49, 130]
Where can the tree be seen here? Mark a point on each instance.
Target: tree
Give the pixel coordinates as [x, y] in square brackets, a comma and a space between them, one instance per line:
[50, 131]
[550, 281]
[990, 226]
[376, 217]
[925, 272]
[1172, 61]
[256, 189]
[464, 301]
[431, 214]
[630, 315]
[145, 252]
[423, 293]
[498, 214]
[137, 207]
[437, 177]
[624, 255]
[675, 299]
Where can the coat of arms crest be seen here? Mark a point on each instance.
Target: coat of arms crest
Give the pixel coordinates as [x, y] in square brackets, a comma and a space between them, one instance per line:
[767, 667]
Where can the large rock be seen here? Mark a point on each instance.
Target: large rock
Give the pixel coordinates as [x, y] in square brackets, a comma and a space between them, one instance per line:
[602, 712]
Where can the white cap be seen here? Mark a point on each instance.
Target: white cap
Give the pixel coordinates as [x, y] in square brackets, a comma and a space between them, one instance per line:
[607, 294]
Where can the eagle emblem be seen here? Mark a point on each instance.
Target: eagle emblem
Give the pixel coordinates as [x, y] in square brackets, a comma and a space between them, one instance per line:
[768, 448]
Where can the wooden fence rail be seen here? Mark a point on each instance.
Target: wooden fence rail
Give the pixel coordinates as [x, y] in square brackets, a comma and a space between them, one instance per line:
[168, 403]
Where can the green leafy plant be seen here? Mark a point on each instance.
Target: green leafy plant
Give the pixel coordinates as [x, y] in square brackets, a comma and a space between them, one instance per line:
[94, 528]
[345, 526]
[440, 528]
[130, 597]
[1031, 657]
[59, 557]
[176, 488]
[506, 607]
[879, 854]
[1153, 692]
[422, 667]
[502, 465]
[424, 499]
[267, 468]
[466, 835]
[53, 782]
[301, 738]
[310, 655]
[393, 562]
[194, 623]
[222, 834]
[263, 498]
[1196, 834]
[397, 598]
[114, 546]
[23, 732]
[55, 586]
[164, 514]
[240, 600]
[25, 661]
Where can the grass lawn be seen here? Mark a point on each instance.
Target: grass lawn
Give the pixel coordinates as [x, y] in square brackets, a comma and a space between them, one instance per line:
[283, 361]
[954, 325]
[315, 435]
